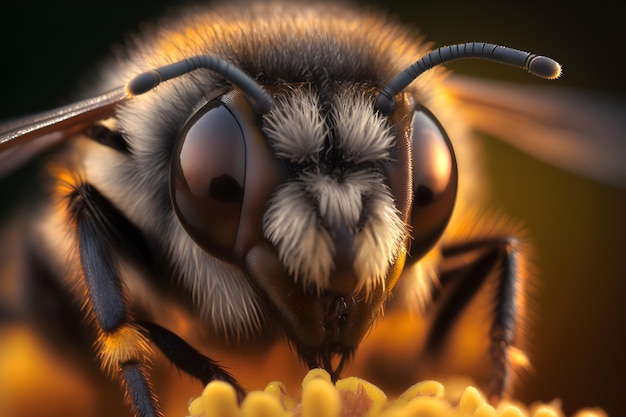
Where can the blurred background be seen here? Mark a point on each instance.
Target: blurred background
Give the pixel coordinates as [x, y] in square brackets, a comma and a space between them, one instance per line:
[578, 226]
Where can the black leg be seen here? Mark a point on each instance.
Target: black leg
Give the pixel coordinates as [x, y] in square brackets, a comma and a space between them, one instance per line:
[465, 270]
[123, 348]
[187, 359]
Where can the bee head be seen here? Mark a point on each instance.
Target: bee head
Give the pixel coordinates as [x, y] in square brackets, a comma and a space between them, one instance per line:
[319, 190]
[316, 202]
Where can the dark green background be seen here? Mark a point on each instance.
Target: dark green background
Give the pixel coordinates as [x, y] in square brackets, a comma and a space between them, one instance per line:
[578, 226]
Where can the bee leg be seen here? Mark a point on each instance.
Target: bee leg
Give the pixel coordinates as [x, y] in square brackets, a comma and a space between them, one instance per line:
[123, 348]
[466, 269]
[189, 360]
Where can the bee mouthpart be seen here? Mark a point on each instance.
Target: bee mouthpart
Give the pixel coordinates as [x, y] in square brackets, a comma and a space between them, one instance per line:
[343, 279]
[321, 326]
[329, 358]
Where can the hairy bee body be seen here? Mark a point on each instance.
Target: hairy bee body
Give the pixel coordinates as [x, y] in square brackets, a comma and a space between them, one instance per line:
[323, 60]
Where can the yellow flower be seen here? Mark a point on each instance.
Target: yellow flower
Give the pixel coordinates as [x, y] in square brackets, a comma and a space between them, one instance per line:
[355, 397]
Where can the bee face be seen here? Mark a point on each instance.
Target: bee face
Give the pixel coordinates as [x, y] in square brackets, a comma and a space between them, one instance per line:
[314, 198]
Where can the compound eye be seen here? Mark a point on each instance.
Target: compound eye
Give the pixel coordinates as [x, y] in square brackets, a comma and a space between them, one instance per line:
[434, 182]
[207, 178]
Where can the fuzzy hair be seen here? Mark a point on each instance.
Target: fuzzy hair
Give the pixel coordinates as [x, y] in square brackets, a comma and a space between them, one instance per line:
[305, 212]
[295, 128]
[277, 43]
[362, 133]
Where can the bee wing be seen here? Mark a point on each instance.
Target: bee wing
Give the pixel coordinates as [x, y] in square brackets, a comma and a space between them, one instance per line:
[580, 132]
[22, 139]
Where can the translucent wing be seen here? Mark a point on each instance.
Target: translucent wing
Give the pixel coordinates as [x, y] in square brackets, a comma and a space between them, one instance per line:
[24, 138]
[580, 132]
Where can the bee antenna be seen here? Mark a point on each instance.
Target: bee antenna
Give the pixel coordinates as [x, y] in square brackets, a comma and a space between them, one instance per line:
[538, 65]
[261, 100]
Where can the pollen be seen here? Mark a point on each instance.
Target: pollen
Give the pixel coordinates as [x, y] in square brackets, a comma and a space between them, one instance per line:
[218, 399]
[262, 404]
[67, 180]
[471, 400]
[320, 399]
[356, 397]
[122, 346]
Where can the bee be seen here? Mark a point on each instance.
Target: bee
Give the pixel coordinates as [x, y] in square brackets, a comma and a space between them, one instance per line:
[264, 183]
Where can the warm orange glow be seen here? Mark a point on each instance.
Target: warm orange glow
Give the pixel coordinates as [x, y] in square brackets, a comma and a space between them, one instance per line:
[30, 375]
[67, 180]
[519, 358]
[442, 163]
